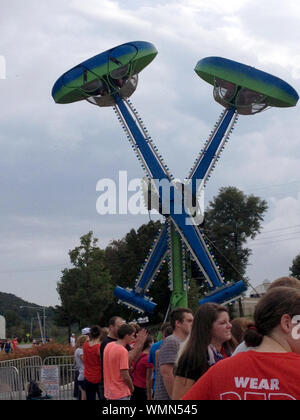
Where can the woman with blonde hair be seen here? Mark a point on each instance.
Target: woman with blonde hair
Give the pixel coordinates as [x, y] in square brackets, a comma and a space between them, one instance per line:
[79, 389]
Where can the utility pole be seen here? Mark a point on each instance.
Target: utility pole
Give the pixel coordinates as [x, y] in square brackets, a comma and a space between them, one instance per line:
[42, 329]
[40, 324]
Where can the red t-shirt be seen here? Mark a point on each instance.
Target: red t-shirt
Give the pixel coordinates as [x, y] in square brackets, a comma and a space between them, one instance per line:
[250, 376]
[140, 371]
[91, 360]
[14, 344]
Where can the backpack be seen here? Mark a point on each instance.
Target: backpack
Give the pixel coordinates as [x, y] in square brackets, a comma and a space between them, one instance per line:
[34, 390]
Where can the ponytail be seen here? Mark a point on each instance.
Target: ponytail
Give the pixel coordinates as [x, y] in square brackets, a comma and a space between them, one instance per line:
[269, 311]
[252, 337]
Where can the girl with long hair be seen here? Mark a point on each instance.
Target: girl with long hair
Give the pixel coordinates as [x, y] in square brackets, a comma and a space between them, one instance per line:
[207, 343]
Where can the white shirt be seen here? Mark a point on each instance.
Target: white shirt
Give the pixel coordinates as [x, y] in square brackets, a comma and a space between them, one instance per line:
[241, 348]
[79, 365]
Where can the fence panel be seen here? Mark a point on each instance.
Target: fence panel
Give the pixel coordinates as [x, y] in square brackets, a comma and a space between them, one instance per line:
[21, 363]
[59, 360]
[10, 387]
[57, 383]
[66, 374]
[67, 380]
[17, 373]
[26, 368]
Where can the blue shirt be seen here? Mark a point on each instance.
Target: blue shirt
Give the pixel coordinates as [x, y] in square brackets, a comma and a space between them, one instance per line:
[151, 358]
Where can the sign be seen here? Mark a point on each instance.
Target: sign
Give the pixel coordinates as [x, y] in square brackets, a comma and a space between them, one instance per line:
[50, 380]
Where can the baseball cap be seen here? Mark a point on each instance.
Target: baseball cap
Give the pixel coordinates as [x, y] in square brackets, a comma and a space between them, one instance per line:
[85, 331]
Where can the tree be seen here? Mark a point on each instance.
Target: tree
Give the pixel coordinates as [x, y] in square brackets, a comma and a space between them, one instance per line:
[295, 268]
[85, 290]
[125, 258]
[193, 295]
[14, 324]
[231, 219]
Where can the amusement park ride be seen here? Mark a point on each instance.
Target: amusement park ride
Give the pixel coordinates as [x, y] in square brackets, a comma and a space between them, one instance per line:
[109, 79]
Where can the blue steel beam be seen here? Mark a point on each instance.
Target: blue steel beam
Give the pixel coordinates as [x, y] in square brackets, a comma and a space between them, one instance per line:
[203, 165]
[156, 257]
[154, 166]
[136, 298]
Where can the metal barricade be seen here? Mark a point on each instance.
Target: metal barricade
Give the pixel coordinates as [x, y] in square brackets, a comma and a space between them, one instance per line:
[59, 360]
[26, 368]
[10, 387]
[57, 381]
[21, 363]
[55, 375]
[66, 374]
[67, 380]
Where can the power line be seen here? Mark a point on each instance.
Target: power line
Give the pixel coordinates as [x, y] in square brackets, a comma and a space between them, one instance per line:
[230, 263]
[276, 236]
[274, 230]
[274, 242]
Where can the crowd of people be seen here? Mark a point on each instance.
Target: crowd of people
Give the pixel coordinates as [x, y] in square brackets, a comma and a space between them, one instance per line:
[201, 356]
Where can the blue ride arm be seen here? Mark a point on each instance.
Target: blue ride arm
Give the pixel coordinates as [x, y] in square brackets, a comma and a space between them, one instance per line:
[132, 300]
[221, 292]
[135, 298]
[226, 294]
[203, 165]
[197, 247]
[154, 166]
[153, 263]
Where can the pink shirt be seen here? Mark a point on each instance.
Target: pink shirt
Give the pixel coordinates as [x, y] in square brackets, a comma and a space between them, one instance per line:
[115, 359]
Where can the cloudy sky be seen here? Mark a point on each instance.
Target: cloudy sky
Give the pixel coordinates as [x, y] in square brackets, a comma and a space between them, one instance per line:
[52, 156]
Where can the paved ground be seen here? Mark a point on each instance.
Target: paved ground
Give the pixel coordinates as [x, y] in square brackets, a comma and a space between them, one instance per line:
[25, 346]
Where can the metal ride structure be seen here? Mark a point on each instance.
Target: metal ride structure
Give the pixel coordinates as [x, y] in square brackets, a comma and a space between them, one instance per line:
[109, 79]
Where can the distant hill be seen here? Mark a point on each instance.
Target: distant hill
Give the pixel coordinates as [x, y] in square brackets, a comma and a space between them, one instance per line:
[10, 303]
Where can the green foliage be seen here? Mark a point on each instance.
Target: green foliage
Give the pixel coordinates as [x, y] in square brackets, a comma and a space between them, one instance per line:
[127, 254]
[125, 259]
[295, 268]
[18, 319]
[194, 295]
[231, 219]
[85, 290]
